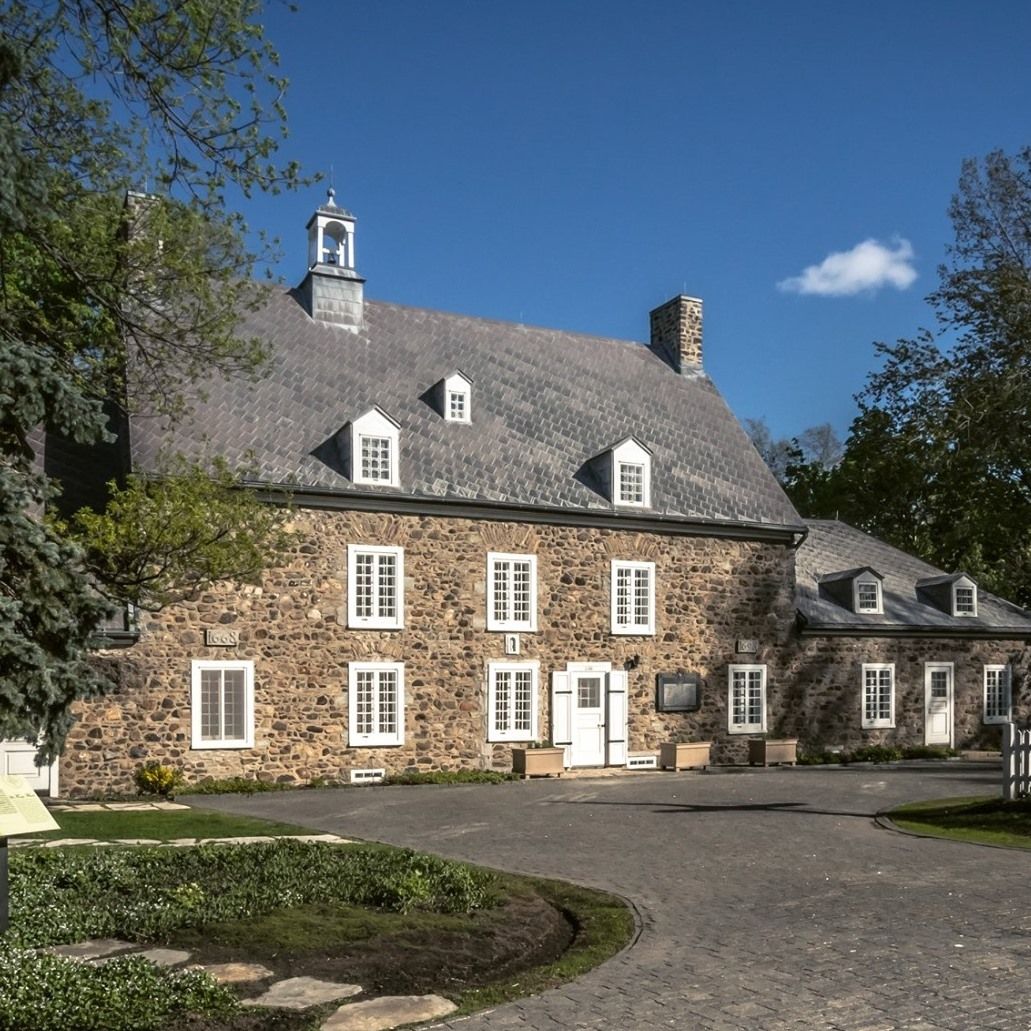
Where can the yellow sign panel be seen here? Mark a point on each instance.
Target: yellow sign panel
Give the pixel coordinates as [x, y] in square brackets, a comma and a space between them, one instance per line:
[21, 811]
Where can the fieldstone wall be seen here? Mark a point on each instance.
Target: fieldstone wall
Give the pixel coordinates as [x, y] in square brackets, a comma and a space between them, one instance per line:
[823, 696]
[709, 594]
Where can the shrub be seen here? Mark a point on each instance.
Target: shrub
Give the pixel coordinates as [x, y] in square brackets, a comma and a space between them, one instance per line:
[231, 786]
[822, 758]
[928, 752]
[153, 778]
[875, 754]
[144, 893]
[451, 777]
[49, 993]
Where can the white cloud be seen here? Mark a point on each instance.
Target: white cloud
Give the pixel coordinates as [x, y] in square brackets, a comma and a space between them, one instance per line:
[868, 266]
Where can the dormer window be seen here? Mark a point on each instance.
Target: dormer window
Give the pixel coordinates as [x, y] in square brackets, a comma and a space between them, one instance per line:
[377, 461]
[964, 599]
[374, 449]
[631, 483]
[454, 397]
[630, 476]
[860, 590]
[458, 405]
[868, 595]
[953, 593]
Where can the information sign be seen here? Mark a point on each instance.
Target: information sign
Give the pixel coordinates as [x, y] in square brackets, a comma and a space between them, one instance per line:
[21, 811]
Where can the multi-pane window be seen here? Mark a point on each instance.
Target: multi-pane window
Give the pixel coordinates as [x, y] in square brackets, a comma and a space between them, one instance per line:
[965, 601]
[631, 483]
[512, 701]
[633, 597]
[375, 703]
[377, 462]
[375, 442]
[375, 587]
[511, 592]
[878, 695]
[997, 694]
[457, 406]
[746, 709]
[868, 596]
[630, 473]
[222, 700]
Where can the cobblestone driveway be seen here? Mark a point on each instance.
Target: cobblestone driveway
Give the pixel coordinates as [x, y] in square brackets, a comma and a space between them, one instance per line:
[766, 899]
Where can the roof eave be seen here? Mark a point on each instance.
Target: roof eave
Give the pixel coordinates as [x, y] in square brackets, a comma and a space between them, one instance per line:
[371, 501]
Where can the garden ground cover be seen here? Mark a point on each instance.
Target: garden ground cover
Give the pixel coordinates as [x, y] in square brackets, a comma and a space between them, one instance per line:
[392, 920]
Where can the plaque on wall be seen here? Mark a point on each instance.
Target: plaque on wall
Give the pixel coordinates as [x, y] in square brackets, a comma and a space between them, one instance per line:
[746, 646]
[678, 692]
[221, 637]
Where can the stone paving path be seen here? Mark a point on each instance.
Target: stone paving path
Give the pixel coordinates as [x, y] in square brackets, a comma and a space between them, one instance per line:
[331, 839]
[766, 900]
[292, 993]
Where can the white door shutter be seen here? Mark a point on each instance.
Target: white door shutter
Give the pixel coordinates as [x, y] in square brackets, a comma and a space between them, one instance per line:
[562, 714]
[616, 720]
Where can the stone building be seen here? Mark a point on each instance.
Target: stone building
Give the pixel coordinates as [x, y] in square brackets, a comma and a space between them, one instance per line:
[507, 534]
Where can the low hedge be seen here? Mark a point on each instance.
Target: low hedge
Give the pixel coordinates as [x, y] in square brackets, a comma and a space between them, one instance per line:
[874, 754]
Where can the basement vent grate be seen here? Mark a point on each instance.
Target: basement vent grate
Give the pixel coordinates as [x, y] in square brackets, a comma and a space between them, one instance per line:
[642, 762]
[368, 776]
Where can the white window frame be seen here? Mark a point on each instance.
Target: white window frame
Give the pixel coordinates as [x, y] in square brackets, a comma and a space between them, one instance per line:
[745, 728]
[878, 608]
[375, 739]
[876, 722]
[197, 667]
[635, 629]
[375, 423]
[493, 623]
[629, 452]
[375, 621]
[960, 585]
[1005, 670]
[456, 383]
[512, 734]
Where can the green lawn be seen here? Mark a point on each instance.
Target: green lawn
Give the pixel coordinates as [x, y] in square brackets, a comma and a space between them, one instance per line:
[986, 821]
[108, 825]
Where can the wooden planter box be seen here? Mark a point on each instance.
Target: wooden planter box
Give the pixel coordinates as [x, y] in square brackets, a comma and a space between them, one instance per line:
[691, 755]
[538, 762]
[782, 751]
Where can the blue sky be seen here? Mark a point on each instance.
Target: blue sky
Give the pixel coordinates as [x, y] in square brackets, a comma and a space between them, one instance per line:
[573, 163]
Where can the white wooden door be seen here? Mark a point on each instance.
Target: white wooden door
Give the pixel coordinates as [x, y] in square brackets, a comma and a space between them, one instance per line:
[18, 758]
[938, 695]
[588, 730]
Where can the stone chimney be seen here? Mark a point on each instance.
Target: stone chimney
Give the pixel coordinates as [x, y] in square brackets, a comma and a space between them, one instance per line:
[676, 331]
[332, 290]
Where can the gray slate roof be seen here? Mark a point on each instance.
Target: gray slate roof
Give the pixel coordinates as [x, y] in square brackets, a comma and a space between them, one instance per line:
[833, 546]
[544, 402]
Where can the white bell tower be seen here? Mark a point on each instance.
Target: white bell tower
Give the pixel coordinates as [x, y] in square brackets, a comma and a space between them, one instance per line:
[332, 289]
[331, 235]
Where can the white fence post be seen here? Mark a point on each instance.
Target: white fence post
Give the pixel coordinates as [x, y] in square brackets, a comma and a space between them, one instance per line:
[1016, 762]
[1008, 762]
